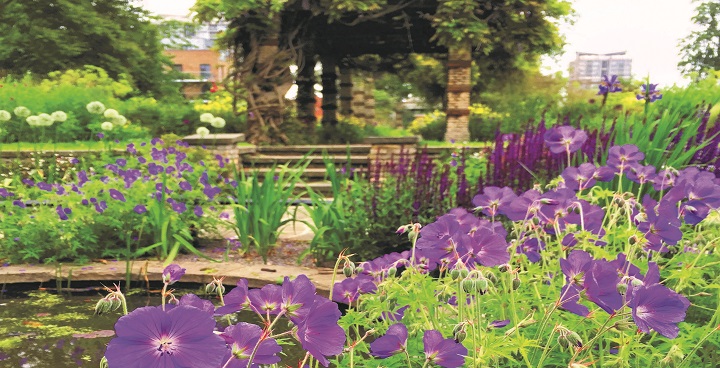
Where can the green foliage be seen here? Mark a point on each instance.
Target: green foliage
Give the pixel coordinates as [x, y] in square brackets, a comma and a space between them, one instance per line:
[263, 201]
[430, 126]
[111, 34]
[701, 49]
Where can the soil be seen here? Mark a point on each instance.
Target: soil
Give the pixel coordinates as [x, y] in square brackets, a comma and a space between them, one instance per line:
[286, 253]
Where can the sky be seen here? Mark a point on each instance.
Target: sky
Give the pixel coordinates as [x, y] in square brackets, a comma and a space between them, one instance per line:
[649, 30]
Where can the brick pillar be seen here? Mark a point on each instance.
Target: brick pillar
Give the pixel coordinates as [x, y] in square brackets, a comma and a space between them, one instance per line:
[346, 91]
[458, 93]
[306, 90]
[358, 102]
[329, 90]
[369, 100]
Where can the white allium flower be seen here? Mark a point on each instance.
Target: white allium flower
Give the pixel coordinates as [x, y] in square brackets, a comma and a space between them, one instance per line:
[59, 116]
[202, 131]
[119, 120]
[95, 107]
[4, 115]
[218, 122]
[22, 111]
[45, 119]
[33, 120]
[111, 113]
[106, 126]
[206, 117]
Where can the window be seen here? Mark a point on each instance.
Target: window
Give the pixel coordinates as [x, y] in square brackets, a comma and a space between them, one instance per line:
[189, 31]
[205, 72]
[178, 67]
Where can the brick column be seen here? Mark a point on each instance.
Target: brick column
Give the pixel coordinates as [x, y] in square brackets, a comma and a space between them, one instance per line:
[458, 93]
[346, 91]
[306, 90]
[329, 90]
[369, 100]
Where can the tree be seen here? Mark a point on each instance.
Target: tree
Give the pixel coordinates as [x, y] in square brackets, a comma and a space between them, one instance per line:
[41, 36]
[701, 49]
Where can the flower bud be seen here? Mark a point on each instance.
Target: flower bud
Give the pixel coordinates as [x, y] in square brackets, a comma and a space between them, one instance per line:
[454, 274]
[636, 282]
[481, 285]
[459, 327]
[347, 271]
[515, 283]
[220, 288]
[460, 336]
[622, 288]
[391, 271]
[624, 325]
[563, 341]
[210, 288]
[574, 339]
[464, 273]
[103, 306]
[504, 268]
[468, 285]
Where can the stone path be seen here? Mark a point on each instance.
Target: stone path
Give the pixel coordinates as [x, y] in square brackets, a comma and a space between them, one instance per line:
[198, 270]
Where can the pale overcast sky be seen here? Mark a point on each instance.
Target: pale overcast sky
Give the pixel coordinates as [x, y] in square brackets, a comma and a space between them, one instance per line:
[649, 30]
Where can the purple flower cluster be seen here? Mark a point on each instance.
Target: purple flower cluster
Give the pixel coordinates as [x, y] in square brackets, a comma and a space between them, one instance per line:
[444, 352]
[614, 285]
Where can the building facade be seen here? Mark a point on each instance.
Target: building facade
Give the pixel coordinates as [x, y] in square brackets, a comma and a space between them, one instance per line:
[588, 68]
[202, 64]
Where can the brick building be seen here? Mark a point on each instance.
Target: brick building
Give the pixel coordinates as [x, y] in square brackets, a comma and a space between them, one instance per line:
[588, 68]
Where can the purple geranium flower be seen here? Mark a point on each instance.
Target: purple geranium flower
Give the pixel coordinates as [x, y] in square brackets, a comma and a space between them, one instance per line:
[658, 308]
[180, 337]
[297, 297]
[393, 342]
[499, 323]
[531, 248]
[63, 212]
[44, 186]
[140, 209]
[178, 207]
[493, 199]
[641, 174]
[184, 185]
[621, 158]
[347, 291]
[565, 139]
[579, 178]
[266, 300]
[601, 285]
[242, 339]
[198, 211]
[319, 333]
[443, 352]
[236, 299]
[609, 85]
[192, 300]
[116, 195]
[172, 274]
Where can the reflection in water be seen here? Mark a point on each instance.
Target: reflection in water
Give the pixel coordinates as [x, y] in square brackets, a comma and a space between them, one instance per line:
[44, 330]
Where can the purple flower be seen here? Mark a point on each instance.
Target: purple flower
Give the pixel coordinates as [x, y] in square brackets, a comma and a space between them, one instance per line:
[601, 285]
[44, 186]
[172, 274]
[211, 191]
[658, 308]
[443, 352]
[266, 300]
[609, 85]
[100, 135]
[297, 297]
[242, 339]
[180, 337]
[155, 141]
[393, 342]
[121, 162]
[641, 174]
[319, 333]
[5, 193]
[185, 185]
[650, 94]
[236, 299]
[74, 161]
[349, 290]
[579, 178]
[116, 195]
[198, 211]
[63, 212]
[499, 323]
[493, 199]
[565, 139]
[531, 248]
[621, 158]
[178, 207]
[140, 209]
[192, 300]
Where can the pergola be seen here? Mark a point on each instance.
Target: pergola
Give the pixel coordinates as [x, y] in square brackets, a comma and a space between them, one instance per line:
[302, 36]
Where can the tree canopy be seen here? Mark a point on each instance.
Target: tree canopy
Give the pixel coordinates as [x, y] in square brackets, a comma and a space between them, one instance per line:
[41, 36]
[701, 49]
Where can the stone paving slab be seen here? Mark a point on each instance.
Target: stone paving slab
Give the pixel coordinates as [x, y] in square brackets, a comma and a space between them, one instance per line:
[198, 271]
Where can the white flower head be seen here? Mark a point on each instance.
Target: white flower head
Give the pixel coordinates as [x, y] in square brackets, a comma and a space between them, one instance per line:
[95, 107]
[5, 116]
[111, 113]
[106, 126]
[202, 131]
[218, 122]
[22, 111]
[59, 116]
[45, 119]
[33, 120]
[119, 120]
[206, 117]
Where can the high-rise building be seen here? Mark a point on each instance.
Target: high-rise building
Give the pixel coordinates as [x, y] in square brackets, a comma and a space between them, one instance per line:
[588, 68]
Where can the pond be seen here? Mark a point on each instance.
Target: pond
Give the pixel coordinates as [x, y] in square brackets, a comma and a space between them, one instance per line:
[42, 329]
